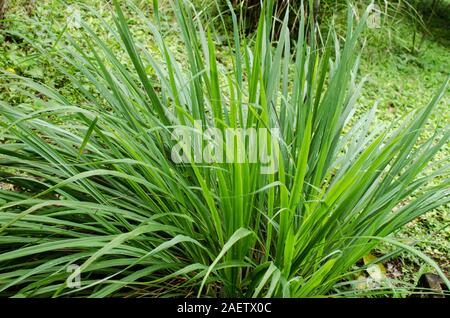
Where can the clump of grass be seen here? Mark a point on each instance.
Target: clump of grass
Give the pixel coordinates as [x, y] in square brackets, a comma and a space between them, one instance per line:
[99, 188]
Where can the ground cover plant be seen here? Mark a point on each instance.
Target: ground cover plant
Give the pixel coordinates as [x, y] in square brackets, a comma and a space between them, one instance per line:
[99, 188]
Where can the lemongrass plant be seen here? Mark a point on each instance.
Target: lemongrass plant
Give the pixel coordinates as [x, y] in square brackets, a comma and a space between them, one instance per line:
[100, 199]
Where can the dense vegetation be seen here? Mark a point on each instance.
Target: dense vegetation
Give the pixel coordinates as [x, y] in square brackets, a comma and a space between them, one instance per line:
[88, 179]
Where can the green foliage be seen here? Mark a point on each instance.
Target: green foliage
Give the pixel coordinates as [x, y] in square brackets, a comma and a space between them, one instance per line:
[100, 189]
